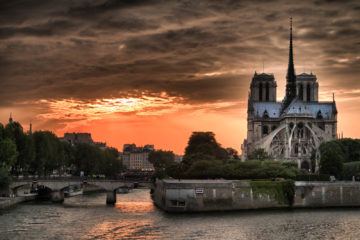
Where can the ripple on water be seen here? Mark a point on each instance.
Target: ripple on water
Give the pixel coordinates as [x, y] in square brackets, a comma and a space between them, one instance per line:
[135, 217]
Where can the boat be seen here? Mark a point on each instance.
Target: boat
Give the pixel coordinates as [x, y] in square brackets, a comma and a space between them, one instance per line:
[26, 193]
[72, 191]
[122, 190]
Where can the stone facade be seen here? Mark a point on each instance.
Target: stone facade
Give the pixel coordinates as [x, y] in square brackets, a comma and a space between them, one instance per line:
[79, 138]
[226, 195]
[136, 158]
[290, 129]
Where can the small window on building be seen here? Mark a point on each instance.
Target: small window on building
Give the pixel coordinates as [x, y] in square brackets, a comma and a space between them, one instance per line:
[177, 203]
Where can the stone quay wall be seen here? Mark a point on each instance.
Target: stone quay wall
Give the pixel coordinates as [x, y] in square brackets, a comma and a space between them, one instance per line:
[224, 195]
[9, 202]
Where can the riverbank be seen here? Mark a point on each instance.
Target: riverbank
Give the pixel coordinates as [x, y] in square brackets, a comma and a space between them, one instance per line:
[6, 202]
[226, 195]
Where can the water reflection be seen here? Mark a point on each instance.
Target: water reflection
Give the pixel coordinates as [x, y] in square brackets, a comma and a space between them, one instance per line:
[126, 229]
[135, 217]
[135, 222]
[134, 207]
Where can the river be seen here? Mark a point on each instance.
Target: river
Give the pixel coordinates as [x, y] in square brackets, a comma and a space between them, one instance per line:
[135, 217]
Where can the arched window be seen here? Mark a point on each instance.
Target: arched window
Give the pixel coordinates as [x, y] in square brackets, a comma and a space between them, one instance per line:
[319, 115]
[260, 92]
[265, 130]
[305, 165]
[267, 92]
[300, 130]
[266, 114]
[301, 92]
[296, 150]
[308, 92]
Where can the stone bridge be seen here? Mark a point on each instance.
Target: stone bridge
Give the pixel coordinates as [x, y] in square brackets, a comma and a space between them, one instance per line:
[57, 186]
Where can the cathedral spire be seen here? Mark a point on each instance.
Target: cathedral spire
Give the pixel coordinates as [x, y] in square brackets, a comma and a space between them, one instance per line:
[290, 76]
[10, 119]
[30, 128]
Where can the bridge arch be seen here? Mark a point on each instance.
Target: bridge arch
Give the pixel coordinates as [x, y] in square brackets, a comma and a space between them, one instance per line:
[57, 186]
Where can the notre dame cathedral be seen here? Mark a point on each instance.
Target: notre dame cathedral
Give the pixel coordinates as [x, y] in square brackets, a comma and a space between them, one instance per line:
[290, 129]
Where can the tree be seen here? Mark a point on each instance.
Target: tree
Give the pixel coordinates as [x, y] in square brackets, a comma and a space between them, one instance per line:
[259, 154]
[87, 159]
[233, 153]
[23, 145]
[163, 162]
[161, 159]
[2, 131]
[49, 153]
[111, 162]
[8, 153]
[203, 146]
[4, 178]
[331, 159]
[205, 169]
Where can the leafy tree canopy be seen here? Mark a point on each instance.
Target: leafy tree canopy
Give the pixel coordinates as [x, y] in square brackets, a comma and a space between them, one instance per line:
[331, 159]
[259, 154]
[4, 178]
[8, 153]
[161, 159]
[203, 146]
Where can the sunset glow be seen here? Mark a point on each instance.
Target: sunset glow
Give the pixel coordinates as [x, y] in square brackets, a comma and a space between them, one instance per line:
[154, 72]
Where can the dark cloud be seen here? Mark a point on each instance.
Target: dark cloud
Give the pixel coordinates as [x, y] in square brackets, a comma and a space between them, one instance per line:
[50, 28]
[90, 9]
[203, 51]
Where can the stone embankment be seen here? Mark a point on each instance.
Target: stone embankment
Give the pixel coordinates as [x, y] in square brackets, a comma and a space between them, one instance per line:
[221, 195]
[6, 202]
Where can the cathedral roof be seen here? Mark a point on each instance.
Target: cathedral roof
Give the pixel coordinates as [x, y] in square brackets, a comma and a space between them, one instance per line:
[299, 107]
[273, 109]
[306, 76]
[263, 77]
[296, 107]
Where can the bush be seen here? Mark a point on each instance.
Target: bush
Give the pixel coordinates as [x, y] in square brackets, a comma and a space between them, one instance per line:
[283, 191]
[203, 169]
[331, 160]
[351, 169]
[5, 179]
[239, 170]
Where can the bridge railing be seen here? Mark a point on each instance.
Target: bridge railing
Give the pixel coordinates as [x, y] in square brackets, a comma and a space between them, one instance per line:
[76, 178]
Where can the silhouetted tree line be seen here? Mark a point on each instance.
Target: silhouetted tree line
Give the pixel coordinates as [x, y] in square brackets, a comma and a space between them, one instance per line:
[205, 159]
[42, 153]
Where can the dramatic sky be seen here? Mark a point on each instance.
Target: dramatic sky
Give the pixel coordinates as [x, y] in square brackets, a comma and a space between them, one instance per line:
[132, 71]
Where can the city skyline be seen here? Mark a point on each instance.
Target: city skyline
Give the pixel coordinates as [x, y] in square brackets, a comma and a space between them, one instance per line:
[154, 72]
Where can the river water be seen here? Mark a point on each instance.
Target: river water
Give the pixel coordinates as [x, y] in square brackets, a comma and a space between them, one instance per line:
[135, 217]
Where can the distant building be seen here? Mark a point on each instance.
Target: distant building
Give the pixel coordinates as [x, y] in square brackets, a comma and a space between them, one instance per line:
[136, 158]
[179, 158]
[78, 138]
